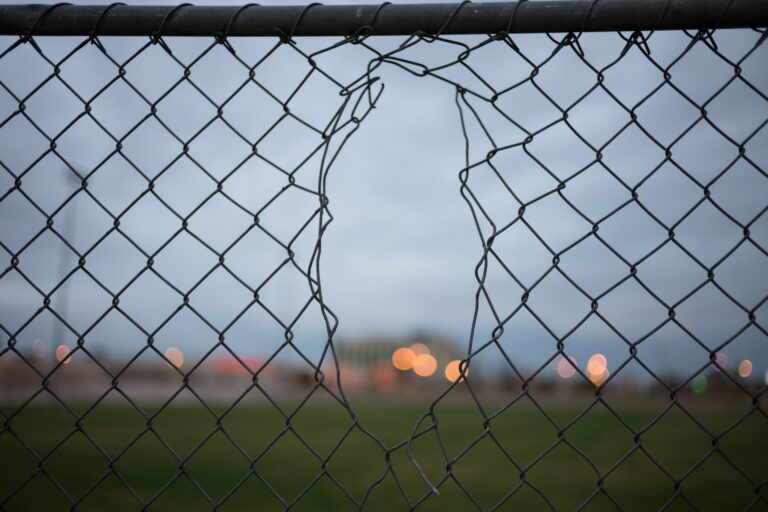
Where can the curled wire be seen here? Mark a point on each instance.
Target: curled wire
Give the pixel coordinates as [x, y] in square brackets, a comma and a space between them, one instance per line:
[223, 37]
[94, 32]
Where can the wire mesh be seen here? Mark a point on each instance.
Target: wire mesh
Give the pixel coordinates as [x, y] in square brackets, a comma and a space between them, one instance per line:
[496, 136]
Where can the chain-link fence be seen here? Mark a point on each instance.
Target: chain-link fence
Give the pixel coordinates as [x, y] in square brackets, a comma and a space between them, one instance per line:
[158, 188]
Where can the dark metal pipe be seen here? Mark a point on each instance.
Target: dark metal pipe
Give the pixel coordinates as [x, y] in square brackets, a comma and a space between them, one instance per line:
[341, 20]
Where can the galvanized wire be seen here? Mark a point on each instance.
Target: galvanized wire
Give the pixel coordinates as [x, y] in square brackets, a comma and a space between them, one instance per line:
[356, 101]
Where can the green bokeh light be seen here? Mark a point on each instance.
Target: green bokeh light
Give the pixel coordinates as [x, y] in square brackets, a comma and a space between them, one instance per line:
[699, 384]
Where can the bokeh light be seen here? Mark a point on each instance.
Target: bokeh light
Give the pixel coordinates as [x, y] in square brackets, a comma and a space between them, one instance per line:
[597, 369]
[453, 372]
[565, 368]
[419, 349]
[597, 364]
[424, 365]
[721, 361]
[745, 368]
[175, 356]
[62, 353]
[598, 380]
[39, 347]
[699, 384]
[402, 359]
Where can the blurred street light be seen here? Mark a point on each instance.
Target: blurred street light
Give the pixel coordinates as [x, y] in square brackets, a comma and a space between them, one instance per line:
[402, 359]
[424, 365]
[566, 367]
[175, 356]
[62, 354]
[745, 368]
[453, 371]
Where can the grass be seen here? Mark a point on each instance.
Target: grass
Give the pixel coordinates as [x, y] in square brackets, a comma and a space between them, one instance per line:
[562, 475]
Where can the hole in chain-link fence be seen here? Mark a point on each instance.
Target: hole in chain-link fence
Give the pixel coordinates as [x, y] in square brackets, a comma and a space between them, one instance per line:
[167, 343]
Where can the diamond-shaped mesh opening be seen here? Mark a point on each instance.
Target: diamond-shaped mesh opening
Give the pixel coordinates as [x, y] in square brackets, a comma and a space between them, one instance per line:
[747, 460]
[199, 261]
[109, 489]
[52, 94]
[490, 484]
[249, 491]
[666, 98]
[703, 140]
[507, 428]
[48, 169]
[17, 129]
[220, 379]
[91, 231]
[326, 491]
[167, 343]
[553, 472]
[132, 464]
[147, 204]
[33, 261]
[15, 206]
[737, 490]
[345, 463]
[85, 144]
[17, 464]
[676, 429]
[113, 423]
[566, 59]
[301, 476]
[184, 186]
[746, 208]
[596, 179]
[43, 414]
[151, 147]
[203, 223]
[204, 466]
[573, 155]
[601, 436]
[219, 314]
[58, 464]
[620, 485]
[164, 299]
[575, 264]
[39, 491]
[237, 421]
[118, 108]
[735, 101]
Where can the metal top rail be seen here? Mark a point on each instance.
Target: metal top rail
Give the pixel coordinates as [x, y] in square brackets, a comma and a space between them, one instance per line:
[388, 19]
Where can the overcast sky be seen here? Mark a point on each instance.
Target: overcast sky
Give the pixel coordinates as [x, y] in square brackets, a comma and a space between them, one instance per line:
[400, 255]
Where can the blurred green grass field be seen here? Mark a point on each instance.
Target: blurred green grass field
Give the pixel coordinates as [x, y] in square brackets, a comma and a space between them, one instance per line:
[562, 475]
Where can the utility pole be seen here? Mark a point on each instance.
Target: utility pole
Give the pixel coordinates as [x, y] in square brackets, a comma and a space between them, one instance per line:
[67, 231]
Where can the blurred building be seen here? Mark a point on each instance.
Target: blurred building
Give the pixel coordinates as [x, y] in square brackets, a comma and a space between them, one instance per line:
[369, 364]
[368, 352]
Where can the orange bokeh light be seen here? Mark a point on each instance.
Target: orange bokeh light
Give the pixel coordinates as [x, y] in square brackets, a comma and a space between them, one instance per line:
[453, 372]
[597, 365]
[62, 353]
[419, 349]
[565, 368]
[745, 368]
[424, 365]
[598, 380]
[597, 369]
[402, 359]
[175, 356]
